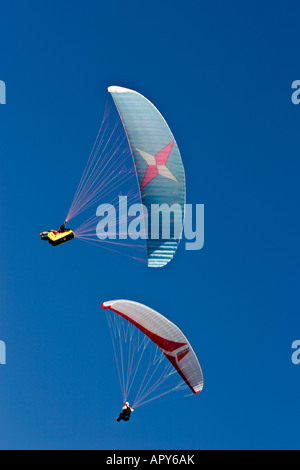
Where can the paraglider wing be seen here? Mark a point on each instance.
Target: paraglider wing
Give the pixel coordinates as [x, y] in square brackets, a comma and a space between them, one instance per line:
[158, 166]
[166, 335]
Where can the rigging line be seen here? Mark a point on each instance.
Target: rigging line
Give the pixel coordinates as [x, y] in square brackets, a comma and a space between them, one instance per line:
[142, 391]
[139, 362]
[122, 364]
[108, 186]
[87, 199]
[164, 375]
[90, 159]
[129, 367]
[93, 218]
[110, 241]
[118, 157]
[159, 382]
[145, 375]
[156, 397]
[88, 228]
[90, 162]
[83, 174]
[117, 168]
[87, 174]
[115, 353]
[91, 181]
[95, 243]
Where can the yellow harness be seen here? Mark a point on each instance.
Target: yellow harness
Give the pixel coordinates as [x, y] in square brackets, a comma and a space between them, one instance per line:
[60, 237]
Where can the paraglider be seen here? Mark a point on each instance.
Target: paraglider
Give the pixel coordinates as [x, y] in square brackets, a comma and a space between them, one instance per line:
[170, 343]
[57, 237]
[146, 151]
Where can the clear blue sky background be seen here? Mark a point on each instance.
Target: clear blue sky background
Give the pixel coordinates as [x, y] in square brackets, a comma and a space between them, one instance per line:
[221, 74]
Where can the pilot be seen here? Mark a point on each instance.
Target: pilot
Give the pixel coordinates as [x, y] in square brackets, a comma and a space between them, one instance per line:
[126, 412]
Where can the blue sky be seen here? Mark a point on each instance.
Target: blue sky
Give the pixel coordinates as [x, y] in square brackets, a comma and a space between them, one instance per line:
[221, 75]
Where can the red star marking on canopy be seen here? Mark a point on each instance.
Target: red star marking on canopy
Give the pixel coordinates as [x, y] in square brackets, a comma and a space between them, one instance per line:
[157, 164]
